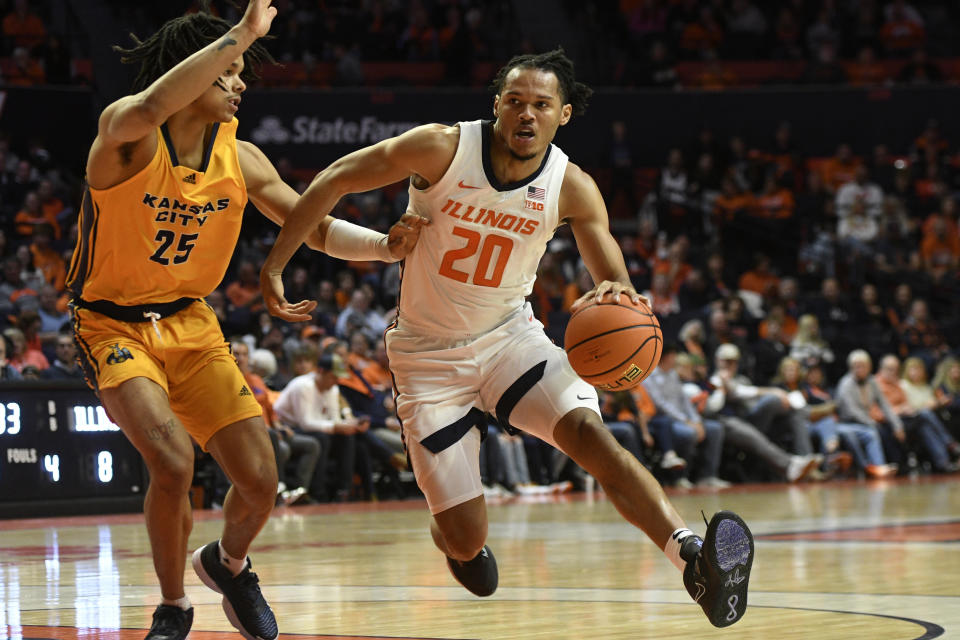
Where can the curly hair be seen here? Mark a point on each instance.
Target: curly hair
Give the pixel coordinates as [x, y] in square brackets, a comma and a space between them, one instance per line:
[574, 93]
[178, 39]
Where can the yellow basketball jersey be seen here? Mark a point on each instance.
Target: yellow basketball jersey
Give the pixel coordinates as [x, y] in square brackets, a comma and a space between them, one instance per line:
[167, 232]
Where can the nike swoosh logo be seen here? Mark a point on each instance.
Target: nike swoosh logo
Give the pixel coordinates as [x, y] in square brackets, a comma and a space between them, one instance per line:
[580, 397]
[465, 186]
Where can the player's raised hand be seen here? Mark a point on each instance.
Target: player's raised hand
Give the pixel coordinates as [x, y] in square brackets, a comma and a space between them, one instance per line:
[258, 16]
[404, 234]
[271, 287]
[615, 289]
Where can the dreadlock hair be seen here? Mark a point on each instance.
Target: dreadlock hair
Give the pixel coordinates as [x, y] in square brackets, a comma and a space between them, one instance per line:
[178, 39]
[556, 62]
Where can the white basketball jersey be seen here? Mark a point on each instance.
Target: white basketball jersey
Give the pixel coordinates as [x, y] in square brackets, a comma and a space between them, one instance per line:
[476, 261]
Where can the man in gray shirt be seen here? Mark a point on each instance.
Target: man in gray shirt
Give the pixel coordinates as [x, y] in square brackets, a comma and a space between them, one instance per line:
[678, 414]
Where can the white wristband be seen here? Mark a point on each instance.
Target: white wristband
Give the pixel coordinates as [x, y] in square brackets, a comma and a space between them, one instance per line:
[348, 241]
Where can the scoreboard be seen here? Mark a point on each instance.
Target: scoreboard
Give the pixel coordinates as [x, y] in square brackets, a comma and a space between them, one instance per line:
[60, 454]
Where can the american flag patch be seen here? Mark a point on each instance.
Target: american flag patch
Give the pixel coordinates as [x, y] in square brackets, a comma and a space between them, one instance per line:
[536, 193]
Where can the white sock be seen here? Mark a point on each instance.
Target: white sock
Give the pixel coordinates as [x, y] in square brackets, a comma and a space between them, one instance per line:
[183, 603]
[672, 550]
[235, 565]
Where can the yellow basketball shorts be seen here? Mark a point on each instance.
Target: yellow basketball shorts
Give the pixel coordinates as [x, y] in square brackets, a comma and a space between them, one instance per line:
[184, 353]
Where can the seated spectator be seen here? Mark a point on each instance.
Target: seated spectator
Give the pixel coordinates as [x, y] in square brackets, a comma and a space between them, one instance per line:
[632, 410]
[860, 401]
[862, 441]
[767, 408]
[903, 31]
[31, 215]
[808, 347]
[923, 425]
[832, 310]
[920, 70]
[52, 321]
[920, 336]
[65, 365]
[7, 370]
[660, 70]
[770, 350]
[358, 315]
[22, 27]
[627, 425]
[739, 433]
[922, 399]
[869, 321]
[20, 355]
[867, 70]
[692, 336]
[674, 265]
[663, 299]
[760, 279]
[692, 434]
[820, 409]
[25, 71]
[840, 169]
[863, 190]
[46, 258]
[946, 387]
[940, 249]
[244, 292]
[825, 68]
[15, 295]
[312, 405]
[673, 195]
[701, 35]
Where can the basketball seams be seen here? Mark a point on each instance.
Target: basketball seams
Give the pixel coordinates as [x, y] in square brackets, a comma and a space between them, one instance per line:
[629, 358]
[606, 333]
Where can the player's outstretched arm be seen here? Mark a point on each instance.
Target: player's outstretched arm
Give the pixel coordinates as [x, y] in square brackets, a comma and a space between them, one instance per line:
[341, 239]
[426, 151]
[134, 117]
[582, 207]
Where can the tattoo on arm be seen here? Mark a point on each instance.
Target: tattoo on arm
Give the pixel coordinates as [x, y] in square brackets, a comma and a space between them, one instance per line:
[227, 41]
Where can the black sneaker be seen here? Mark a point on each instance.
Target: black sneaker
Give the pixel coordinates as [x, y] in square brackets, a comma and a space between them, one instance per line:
[170, 623]
[243, 603]
[479, 575]
[718, 568]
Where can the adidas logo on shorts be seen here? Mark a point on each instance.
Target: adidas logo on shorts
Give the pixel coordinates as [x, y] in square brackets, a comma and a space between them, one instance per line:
[244, 391]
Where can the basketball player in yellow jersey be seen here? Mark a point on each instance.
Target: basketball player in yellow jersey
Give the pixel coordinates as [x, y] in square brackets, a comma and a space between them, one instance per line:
[466, 342]
[168, 182]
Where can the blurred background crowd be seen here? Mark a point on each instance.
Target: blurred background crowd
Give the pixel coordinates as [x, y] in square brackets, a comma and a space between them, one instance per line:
[809, 303]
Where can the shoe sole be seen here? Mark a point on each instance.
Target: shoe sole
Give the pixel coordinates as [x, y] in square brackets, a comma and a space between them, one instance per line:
[228, 609]
[732, 557]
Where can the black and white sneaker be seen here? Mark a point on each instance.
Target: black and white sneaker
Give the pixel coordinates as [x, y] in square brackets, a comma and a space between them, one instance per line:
[243, 603]
[170, 623]
[479, 576]
[718, 568]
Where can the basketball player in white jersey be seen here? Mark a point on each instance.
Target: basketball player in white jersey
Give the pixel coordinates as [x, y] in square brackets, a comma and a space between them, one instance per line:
[466, 343]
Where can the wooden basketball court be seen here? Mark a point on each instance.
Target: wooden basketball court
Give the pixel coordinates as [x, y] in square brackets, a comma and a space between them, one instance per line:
[842, 560]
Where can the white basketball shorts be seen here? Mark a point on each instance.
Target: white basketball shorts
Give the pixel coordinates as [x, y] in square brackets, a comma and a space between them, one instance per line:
[446, 387]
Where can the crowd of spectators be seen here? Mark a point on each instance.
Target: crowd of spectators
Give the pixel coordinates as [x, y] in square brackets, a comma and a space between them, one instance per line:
[623, 43]
[778, 280]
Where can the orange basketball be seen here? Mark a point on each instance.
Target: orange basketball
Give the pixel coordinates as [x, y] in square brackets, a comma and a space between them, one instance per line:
[614, 346]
